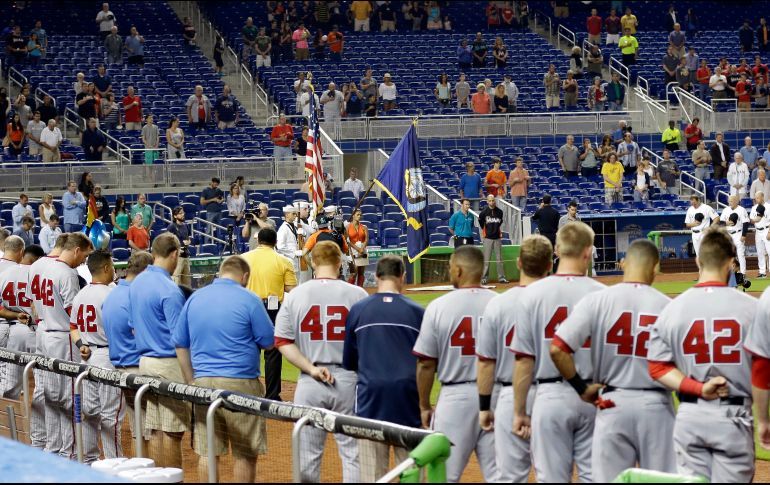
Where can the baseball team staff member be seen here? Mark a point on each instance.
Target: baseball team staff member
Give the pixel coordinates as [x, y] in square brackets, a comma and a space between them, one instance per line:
[737, 224]
[495, 363]
[491, 222]
[699, 217]
[226, 356]
[447, 343]
[698, 351]
[310, 333]
[760, 217]
[380, 332]
[635, 417]
[103, 406]
[13, 252]
[461, 225]
[58, 287]
[271, 277]
[758, 344]
[155, 303]
[41, 418]
[547, 219]
[562, 424]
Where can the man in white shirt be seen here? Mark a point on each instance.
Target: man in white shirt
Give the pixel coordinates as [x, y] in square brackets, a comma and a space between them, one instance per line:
[760, 217]
[34, 128]
[106, 20]
[388, 92]
[737, 222]
[332, 102]
[512, 91]
[738, 176]
[761, 184]
[299, 85]
[699, 217]
[718, 85]
[304, 101]
[288, 238]
[50, 139]
[353, 184]
[49, 233]
[629, 152]
[20, 211]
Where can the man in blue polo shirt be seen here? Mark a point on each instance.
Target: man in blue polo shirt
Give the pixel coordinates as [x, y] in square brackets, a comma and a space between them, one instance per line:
[380, 333]
[461, 225]
[155, 305]
[470, 185]
[226, 356]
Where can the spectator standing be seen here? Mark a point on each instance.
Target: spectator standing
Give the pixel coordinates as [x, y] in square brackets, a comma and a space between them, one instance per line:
[188, 32]
[370, 82]
[596, 95]
[141, 207]
[387, 17]
[629, 152]
[132, 110]
[519, 181]
[443, 90]
[461, 225]
[692, 61]
[759, 69]
[761, 93]
[629, 22]
[46, 209]
[203, 350]
[357, 236]
[693, 134]
[49, 233]
[738, 176]
[720, 156]
[671, 137]
[594, 27]
[434, 16]
[612, 172]
[26, 231]
[552, 84]
[253, 225]
[120, 219]
[629, 47]
[464, 56]
[93, 142]
[336, 42]
[47, 110]
[388, 394]
[750, 153]
[219, 50]
[495, 180]
[20, 211]
[74, 205]
[102, 82]
[110, 112]
[512, 91]
[226, 109]
[35, 51]
[718, 85]
[471, 185]
[354, 184]
[362, 11]
[490, 222]
[198, 109]
[676, 40]
[86, 185]
[500, 53]
[106, 20]
[249, 34]
[493, 16]
[613, 26]
[668, 173]
[462, 92]
[500, 99]
[547, 219]
[560, 9]
[606, 147]
[642, 185]
[50, 139]
[113, 44]
[746, 37]
[34, 128]
[134, 44]
[179, 228]
[333, 102]
[388, 93]
[16, 46]
[212, 200]
[264, 47]
[569, 157]
[616, 93]
[508, 16]
[760, 184]
[589, 159]
[150, 140]
[576, 62]
[300, 38]
[701, 158]
[102, 205]
[236, 203]
[570, 86]
[670, 63]
[479, 51]
[595, 61]
[301, 143]
[304, 101]
[138, 236]
[42, 36]
[282, 136]
[417, 14]
[86, 103]
[15, 135]
[743, 92]
[174, 140]
[571, 215]
[763, 35]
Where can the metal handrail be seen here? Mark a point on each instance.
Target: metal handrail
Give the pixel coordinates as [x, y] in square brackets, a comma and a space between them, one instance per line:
[11, 80]
[515, 238]
[716, 199]
[693, 183]
[210, 224]
[536, 13]
[567, 34]
[643, 84]
[615, 66]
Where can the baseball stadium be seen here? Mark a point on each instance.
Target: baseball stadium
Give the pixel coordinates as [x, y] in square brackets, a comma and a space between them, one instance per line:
[384, 241]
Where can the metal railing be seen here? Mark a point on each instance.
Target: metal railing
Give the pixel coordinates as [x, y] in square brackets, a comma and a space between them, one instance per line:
[655, 114]
[725, 118]
[569, 37]
[643, 84]
[511, 220]
[615, 66]
[38, 176]
[72, 119]
[692, 107]
[719, 195]
[546, 21]
[195, 220]
[687, 181]
[436, 197]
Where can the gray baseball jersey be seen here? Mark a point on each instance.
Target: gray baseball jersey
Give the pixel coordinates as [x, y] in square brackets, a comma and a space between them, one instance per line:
[13, 286]
[313, 316]
[58, 287]
[14, 290]
[448, 332]
[617, 320]
[495, 333]
[758, 338]
[548, 303]
[708, 212]
[36, 271]
[86, 313]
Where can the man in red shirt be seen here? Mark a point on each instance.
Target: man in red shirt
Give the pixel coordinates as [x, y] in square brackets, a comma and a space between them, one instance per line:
[704, 76]
[132, 110]
[508, 16]
[594, 27]
[282, 136]
[759, 69]
[612, 25]
[743, 93]
[335, 41]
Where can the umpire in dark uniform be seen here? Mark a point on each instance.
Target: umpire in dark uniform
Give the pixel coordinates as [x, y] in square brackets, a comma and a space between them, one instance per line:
[547, 219]
[380, 332]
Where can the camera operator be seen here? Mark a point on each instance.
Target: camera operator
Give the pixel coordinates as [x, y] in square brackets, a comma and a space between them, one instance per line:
[331, 227]
[333, 102]
[255, 221]
[179, 228]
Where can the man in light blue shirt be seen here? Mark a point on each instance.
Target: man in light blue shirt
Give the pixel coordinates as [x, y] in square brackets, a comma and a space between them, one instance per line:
[461, 225]
[20, 210]
[134, 44]
[225, 355]
[470, 185]
[74, 208]
[750, 153]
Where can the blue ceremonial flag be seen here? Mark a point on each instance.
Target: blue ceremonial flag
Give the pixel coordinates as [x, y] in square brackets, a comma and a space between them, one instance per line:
[401, 179]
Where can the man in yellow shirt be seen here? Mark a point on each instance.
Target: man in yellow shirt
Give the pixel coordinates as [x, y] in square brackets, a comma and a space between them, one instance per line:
[628, 47]
[362, 11]
[272, 275]
[628, 21]
[672, 137]
[612, 171]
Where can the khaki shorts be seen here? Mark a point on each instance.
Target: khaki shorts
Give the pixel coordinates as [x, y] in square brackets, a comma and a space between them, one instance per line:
[133, 126]
[164, 413]
[34, 151]
[51, 156]
[246, 433]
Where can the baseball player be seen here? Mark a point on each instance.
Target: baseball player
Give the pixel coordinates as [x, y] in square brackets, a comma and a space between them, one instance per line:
[758, 344]
[288, 238]
[697, 349]
[13, 251]
[495, 363]
[447, 343]
[562, 424]
[310, 333]
[42, 418]
[13, 291]
[57, 289]
[635, 417]
[760, 217]
[699, 217]
[103, 406]
[737, 221]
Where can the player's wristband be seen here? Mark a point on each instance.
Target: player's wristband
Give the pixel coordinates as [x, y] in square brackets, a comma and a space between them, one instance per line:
[578, 384]
[691, 386]
[79, 343]
[485, 402]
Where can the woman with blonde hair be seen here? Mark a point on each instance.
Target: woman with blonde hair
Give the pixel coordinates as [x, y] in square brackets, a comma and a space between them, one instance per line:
[501, 99]
[46, 209]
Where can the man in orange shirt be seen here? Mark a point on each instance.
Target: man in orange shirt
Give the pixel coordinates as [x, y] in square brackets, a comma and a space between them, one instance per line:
[495, 180]
[282, 136]
[137, 235]
[336, 40]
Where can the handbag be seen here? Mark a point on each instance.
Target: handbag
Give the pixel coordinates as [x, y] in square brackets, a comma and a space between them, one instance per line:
[6, 141]
[361, 260]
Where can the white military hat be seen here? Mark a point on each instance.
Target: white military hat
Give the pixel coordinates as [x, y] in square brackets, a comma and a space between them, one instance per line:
[330, 209]
[289, 209]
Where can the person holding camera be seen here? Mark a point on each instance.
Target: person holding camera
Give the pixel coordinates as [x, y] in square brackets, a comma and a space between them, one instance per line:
[179, 228]
[358, 238]
[256, 223]
[332, 102]
[327, 231]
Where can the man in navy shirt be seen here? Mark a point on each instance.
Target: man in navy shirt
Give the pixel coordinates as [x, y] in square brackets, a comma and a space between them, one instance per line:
[226, 356]
[380, 333]
[226, 109]
[212, 199]
[470, 185]
[155, 303]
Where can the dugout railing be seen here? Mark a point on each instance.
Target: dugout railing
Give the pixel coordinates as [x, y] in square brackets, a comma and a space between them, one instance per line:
[428, 450]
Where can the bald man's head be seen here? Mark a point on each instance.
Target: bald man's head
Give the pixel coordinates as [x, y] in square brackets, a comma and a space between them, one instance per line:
[13, 248]
[466, 266]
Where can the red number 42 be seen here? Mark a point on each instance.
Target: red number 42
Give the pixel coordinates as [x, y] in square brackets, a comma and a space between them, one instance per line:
[334, 327]
[622, 335]
[724, 347]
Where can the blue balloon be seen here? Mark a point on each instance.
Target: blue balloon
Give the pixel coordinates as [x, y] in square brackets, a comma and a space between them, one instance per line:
[98, 235]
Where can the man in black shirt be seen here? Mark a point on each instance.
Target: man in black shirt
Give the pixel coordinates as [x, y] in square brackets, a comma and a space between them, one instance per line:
[16, 46]
[179, 228]
[490, 222]
[547, 219]
[86, 104]
[212, 199]
[47, 109]
[226, 109]
[387, 17]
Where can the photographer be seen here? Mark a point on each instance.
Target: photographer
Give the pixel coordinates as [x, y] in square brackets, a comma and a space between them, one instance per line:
[331, 227]
[179, 228]
[332, 102]
[254, 223]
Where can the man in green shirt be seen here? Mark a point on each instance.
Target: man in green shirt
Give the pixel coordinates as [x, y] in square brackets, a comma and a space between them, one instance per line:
[629, 47]
[263, 45]
[141, 207]
[249, 34]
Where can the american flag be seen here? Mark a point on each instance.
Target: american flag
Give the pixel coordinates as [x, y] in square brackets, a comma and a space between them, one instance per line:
[313, 165]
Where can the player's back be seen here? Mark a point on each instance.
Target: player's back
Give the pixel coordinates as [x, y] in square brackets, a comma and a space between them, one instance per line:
[547, 303]
[87, 313]
[495, 332]
[703, 332]
[58, 286]
[36, 271]
[313, 316]
[449, 330]
[14, 288]
[617, 320]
